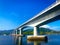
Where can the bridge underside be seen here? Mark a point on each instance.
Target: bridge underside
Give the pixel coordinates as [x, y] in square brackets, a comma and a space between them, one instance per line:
[41, 37]
[51, 20]
[47, 16]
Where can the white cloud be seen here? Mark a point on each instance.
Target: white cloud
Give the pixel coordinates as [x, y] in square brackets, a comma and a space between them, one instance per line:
[45, 26]
[55, 27]
[51, 27]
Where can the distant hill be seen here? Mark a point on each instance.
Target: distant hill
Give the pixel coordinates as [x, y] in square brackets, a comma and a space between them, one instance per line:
[6, 32]
[30, 31]
[41, 31]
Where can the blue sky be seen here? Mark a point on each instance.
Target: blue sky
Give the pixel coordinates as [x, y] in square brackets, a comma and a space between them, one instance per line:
[16, 12]
[53, 25]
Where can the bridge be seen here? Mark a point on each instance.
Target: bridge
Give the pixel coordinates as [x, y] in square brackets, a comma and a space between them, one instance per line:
[50, 14]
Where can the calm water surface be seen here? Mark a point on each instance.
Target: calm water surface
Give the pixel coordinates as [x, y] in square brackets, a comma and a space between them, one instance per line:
[9, 40]
[52, 40]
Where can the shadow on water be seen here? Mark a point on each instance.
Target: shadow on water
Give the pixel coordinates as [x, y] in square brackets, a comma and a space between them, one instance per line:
[36, 42]
[52, 40]
[19, 41]
[24, 41]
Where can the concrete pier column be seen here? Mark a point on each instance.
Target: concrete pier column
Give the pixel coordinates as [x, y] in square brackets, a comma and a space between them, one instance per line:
[16, 32]
[20, 32]
[35, 31]
[20, 37]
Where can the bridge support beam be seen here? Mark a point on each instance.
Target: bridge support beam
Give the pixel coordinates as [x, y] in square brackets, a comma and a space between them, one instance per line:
[35, 36]
[20, 32]
[16, 32]
[35, 31]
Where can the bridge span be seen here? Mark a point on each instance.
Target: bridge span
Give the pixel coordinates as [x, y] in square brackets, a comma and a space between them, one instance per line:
[50, 14]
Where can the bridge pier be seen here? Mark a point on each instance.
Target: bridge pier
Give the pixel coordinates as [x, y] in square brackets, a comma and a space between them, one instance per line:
[20, 32]
[35, 31]
[36, 37]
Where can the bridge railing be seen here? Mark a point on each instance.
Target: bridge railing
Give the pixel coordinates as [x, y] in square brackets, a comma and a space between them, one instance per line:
[43, 11]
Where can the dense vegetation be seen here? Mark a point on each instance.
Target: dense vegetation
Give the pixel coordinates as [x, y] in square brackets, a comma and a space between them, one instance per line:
[41, 31]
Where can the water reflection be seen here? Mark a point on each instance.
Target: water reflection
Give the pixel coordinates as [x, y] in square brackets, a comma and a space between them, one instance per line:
[52, 40]
[19, 41]
[27, 42]
[36, 42]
